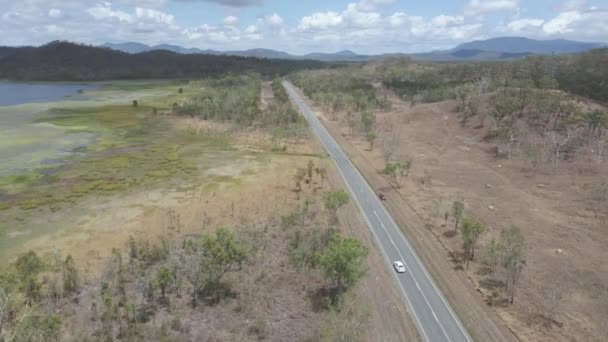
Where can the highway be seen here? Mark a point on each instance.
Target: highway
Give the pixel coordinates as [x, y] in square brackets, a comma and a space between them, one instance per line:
[430, 311]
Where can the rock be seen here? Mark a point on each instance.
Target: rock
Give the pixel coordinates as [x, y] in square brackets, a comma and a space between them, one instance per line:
[560, 251]
[489, 186]
[540, 185]
[491, 207]
[499, 166]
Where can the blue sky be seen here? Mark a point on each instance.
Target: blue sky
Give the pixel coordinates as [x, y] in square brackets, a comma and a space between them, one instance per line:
[364, 26]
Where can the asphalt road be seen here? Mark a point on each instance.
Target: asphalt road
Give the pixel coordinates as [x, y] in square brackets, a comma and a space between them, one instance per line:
[432, 314]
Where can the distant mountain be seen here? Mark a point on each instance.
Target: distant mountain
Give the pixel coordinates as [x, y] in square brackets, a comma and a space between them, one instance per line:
[345, 55]
[468, 55]
[502, 48]
[128, 47]
[530, 46]
[260, 53]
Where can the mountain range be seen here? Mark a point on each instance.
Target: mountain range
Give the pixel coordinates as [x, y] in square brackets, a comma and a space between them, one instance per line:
[500, 48]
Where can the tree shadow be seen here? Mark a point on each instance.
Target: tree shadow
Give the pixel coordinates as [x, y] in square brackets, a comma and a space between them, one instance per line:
[484, 270]
[450, 233]
[456, 259]
[320, 299]
[214, 296]
[491, 284]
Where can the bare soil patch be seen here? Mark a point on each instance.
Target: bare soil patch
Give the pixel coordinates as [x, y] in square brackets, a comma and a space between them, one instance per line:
[565, 242]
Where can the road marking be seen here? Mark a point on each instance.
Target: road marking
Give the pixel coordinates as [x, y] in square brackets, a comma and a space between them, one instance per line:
[411, 274]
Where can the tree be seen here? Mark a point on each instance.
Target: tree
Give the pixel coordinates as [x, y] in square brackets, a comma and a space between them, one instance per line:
[309, 169]
[390, 143]
[70, 276]
[352, 123]
[333, 200]
[509, 137]
[502, 105]
[371, 138]
[551, 300]
[457, 212]
[471, 229]
[368, 120]
[298, 178]
[28, 265]
[135, 103]
[596, 121]
[164, 278]
[463, 94]
[132, 248]
[343, 264]
[512, 258]
[396, 171]
[31, 290]
[558, 142]
[492, 254]
[219, 253]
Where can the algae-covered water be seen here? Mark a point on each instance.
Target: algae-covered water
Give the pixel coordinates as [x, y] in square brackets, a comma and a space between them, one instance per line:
[27, 144]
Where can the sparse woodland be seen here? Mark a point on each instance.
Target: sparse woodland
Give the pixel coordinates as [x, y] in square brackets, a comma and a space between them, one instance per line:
[546, 117]
[219, 283]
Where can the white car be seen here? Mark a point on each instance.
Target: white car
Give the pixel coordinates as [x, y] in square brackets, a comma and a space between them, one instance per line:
[301, 101]
[399, 267]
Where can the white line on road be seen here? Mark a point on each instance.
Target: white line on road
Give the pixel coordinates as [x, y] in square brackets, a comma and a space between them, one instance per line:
[412, 275]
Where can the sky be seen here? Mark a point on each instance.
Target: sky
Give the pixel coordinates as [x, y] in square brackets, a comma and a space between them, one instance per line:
[300, 26]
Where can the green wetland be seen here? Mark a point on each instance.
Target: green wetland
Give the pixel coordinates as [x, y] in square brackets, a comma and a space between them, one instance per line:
[60, 159]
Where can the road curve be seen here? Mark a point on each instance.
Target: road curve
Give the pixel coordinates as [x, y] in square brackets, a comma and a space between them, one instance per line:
[432, 314]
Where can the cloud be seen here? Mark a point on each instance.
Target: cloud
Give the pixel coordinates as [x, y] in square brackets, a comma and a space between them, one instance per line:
[561, 23]
[274, 20]
[520, 25]
[54, 13]
[231, 20]
[371, 5]
[231, 3]
[478, 7]
[154, 15]
[320, 20]
[573, 5]
[104, 11]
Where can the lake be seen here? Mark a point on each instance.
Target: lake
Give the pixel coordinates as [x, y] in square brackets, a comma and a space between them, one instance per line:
[14, 93]
[26, 143]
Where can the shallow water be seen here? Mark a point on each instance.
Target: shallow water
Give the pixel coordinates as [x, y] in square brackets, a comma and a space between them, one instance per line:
[26, 144]
[13, 93]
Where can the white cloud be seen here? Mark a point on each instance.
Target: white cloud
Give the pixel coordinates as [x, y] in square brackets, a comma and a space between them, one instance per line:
[54, 13]
[477, 7]
[54, 29]
[104, 11]
[573, 5]
[360, 18]
[231, 20]
[274, 20]
[320, 20]
[154, 15]
[520, 25]
[371, 5]
[561, 23]
[397, 19]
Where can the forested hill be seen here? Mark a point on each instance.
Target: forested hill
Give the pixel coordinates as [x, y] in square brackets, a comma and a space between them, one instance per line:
[64, 61]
